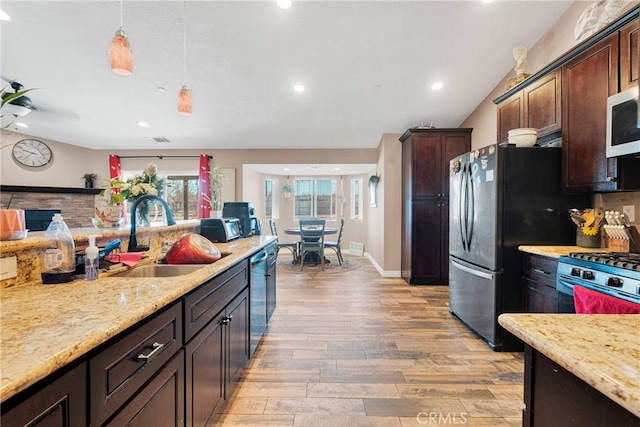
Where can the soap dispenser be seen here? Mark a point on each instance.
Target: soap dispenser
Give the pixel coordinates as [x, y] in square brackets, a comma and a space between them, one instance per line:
[91, 260]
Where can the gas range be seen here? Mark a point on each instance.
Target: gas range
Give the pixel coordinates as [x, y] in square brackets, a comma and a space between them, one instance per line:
[612, 273]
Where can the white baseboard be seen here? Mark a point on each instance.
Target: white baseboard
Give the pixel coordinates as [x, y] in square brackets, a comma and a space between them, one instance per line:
[383, 273]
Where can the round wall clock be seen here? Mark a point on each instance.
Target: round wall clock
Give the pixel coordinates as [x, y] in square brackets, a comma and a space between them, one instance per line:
[31, 153]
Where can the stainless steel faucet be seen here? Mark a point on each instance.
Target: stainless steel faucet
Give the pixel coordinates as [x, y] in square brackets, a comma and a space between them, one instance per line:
[133, 240]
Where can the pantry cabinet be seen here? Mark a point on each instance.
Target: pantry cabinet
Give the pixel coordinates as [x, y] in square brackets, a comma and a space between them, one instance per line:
[425, 191]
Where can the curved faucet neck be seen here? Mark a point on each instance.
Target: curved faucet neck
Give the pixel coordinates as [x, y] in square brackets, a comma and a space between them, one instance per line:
[133, 241]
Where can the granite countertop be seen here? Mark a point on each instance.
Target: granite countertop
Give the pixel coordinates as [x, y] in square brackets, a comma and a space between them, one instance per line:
[557, 251]
[45, 327]
[603, 350]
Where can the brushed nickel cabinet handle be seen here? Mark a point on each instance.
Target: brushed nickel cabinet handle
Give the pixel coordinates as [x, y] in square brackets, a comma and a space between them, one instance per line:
[156, 348]
[541, 271]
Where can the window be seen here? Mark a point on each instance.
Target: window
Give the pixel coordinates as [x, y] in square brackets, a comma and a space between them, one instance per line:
[357, 199]
[182, 196]
[314, 198]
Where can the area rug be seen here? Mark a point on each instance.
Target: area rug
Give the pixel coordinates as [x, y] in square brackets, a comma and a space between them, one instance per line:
[333, 267]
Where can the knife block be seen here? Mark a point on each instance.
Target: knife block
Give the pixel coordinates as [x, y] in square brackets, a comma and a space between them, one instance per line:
[626, 245]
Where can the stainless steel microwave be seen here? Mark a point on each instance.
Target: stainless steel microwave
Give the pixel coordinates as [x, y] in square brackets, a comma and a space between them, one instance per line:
[623, 133]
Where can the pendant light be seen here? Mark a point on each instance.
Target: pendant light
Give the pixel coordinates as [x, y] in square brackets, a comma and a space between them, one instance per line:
[185, 104]
[120, 54]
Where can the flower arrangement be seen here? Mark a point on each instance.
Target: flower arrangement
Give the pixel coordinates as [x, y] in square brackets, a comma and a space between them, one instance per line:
[145, 183]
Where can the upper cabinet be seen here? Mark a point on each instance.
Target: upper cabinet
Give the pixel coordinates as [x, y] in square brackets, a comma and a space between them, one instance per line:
[587, 82]
[629, 35]
[538, 106]
[570, 95]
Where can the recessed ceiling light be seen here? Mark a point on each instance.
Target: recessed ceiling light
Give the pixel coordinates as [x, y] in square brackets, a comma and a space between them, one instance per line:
[161, 89]
[437, 86]
[285, 169]
[283, 4]
[487, 1]
[4, 16]
[336, 169]
[143, 124]
[22, 125]
[298, 88]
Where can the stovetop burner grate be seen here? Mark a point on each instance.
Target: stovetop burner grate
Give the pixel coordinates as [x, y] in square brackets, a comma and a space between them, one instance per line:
[627, 261]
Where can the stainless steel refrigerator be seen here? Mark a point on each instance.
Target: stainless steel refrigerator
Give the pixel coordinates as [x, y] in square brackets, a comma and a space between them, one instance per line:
[501, 198]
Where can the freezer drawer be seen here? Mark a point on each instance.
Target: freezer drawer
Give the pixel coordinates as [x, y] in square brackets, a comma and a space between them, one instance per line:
[473, 298]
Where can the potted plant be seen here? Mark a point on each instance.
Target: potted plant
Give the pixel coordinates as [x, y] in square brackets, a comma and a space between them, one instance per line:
[287, 190]
[89, 179]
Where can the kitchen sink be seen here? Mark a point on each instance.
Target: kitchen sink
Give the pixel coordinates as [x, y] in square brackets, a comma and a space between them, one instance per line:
[161, 270]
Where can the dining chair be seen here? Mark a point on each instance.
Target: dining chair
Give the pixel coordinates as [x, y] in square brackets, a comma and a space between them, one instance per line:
[292, 246]
[312, 239]
[337, 245]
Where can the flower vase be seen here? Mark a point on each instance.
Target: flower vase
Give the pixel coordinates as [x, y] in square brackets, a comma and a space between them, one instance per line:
[142, 215]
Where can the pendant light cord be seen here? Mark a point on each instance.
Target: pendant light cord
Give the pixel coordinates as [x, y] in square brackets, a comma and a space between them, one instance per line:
[184, 39]
[121, 14]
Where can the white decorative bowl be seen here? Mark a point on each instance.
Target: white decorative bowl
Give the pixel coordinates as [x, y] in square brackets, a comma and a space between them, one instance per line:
[523, 137]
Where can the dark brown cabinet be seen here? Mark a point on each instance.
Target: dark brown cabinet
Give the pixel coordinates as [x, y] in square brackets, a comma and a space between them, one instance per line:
[539, 282]
[629, 35]
[217, 321]
[62, 402]
[587, 81]
[160, 402]
[425, 216]
[538, 106]
[123, 368]
[554, 397]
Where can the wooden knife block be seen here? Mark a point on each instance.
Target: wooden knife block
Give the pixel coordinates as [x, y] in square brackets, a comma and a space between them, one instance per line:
[624, 245]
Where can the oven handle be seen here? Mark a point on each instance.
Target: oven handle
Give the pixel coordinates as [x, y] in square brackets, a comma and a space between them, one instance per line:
[563, 286]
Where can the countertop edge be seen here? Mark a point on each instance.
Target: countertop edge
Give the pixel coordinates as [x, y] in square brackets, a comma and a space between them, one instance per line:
[623, 396]
[556, 251]
[17, 380]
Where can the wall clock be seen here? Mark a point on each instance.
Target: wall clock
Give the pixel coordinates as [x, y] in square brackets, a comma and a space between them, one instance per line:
[31, 153]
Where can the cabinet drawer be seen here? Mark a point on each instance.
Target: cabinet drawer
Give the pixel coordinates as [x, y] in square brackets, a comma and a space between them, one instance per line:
[118, 372]
[201, 305]
[541, 269]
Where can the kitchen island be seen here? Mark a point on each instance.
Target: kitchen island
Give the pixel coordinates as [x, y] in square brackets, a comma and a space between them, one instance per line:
[46, 328]
[579, 369]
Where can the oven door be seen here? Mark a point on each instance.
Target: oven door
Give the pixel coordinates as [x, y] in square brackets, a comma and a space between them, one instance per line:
[565, 295]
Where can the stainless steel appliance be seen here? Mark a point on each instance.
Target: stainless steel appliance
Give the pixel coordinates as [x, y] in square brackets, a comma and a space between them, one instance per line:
[623, 134]
[257, 299]
[249, 222]
[614, 273]
[220, 229]
[501, 198]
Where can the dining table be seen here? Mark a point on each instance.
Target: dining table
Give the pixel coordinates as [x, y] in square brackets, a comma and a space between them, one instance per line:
[311, 231]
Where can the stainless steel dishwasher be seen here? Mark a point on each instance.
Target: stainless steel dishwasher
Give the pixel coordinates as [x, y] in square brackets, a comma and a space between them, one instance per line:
[257, 299]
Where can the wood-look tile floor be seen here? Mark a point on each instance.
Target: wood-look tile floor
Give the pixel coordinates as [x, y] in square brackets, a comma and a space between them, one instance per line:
[358, 349]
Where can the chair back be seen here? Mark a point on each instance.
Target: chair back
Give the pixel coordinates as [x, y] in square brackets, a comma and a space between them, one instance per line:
[272, 226]
[312, 232]
[340, 232]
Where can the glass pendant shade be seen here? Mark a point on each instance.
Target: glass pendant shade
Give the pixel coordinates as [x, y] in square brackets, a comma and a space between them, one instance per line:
[120, 54]
[185, 104]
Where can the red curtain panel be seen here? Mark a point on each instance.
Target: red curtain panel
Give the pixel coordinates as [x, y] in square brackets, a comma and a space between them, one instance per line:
[204, 187]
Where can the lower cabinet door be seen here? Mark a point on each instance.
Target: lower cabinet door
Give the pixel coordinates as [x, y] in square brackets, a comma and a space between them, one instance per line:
[540, 298]
[160, 402]
[204, 372]
[237, 338]
[63, 403]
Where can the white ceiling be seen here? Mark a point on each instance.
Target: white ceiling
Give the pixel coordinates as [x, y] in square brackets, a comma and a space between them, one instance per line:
[367, 67]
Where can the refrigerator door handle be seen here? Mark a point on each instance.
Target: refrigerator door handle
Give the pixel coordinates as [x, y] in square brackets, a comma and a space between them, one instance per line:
[461, 204]
[472, 198]
[471, 271]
